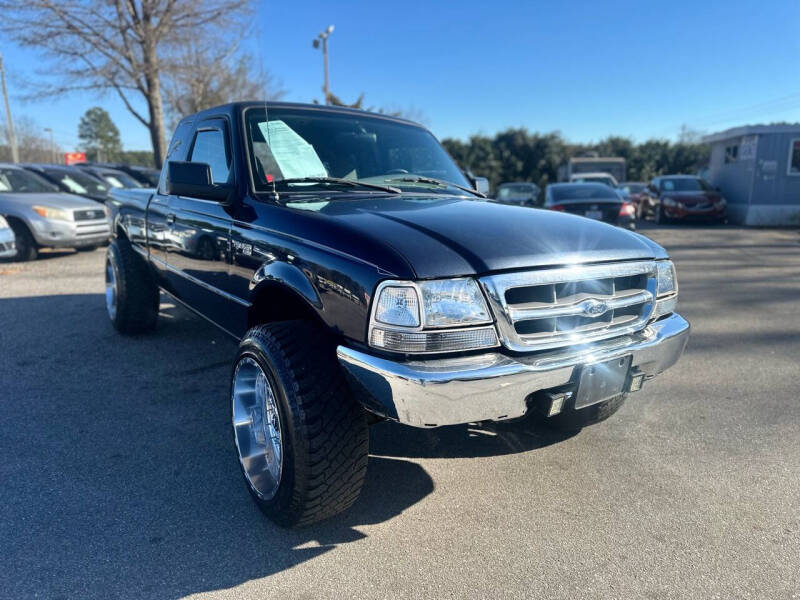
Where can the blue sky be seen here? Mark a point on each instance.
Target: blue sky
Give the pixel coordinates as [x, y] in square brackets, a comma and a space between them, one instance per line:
[588, 69]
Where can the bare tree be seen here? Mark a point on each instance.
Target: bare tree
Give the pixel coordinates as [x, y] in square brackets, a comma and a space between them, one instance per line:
[208, 73]
[118, 45]
[33, 145]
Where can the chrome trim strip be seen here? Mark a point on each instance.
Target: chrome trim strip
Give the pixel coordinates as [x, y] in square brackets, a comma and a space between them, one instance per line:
[577, 308]
[494, 386]
[201, 283]
[574, 273]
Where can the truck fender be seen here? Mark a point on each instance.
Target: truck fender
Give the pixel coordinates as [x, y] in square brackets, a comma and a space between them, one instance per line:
[289, 276]
[280, 292]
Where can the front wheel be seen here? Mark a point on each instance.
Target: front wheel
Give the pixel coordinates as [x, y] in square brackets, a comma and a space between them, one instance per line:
[27, 249]
[300, 436]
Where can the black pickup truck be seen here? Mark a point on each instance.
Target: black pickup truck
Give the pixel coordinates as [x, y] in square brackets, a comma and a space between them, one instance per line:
[366, 280]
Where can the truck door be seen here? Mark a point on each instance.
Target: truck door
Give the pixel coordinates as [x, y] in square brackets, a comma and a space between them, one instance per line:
[198, 253]
[158, 230]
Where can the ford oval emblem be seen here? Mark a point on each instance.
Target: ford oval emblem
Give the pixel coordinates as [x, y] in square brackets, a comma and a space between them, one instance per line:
[594, 308]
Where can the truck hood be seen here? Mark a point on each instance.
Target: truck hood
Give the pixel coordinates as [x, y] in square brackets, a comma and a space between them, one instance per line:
[442, 236]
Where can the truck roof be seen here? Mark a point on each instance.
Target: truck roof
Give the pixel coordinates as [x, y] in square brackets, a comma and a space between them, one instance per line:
[238, 107]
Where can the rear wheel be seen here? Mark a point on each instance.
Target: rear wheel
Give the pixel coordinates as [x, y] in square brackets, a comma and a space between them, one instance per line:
[573, 420]
[132, 297]
[301, 438]
[27, 249]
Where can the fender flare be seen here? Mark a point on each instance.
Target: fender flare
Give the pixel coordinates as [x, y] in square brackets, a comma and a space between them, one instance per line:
[285, 279]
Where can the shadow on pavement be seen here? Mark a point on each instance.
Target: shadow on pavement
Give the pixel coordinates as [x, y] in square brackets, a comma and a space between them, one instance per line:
[118, 472]
[119, 476]
[464, 441]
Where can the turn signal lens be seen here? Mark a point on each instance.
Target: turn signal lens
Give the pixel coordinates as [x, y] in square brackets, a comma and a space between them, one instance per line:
[398, 306]
[666, 278]
[434, 341]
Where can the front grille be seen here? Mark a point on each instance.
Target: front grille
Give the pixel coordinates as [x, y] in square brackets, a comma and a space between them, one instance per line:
[89, 214]
[92, 228]
[548, 308]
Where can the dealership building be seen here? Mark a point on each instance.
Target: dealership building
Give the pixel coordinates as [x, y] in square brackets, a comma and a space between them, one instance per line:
[757, 168]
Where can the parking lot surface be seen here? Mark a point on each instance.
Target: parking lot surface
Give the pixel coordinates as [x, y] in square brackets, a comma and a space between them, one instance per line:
[119, 478]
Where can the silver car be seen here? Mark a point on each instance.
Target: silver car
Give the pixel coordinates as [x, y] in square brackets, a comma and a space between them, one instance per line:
[42, 216]
[7, 247]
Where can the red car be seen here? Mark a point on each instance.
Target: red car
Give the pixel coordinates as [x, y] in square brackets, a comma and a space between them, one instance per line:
[684, 197]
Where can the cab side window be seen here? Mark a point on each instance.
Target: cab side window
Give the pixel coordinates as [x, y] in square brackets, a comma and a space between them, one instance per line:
[209, 148]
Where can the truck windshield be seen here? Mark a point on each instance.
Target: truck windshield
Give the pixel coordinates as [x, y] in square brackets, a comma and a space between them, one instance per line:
[295, 144]
[23, 182]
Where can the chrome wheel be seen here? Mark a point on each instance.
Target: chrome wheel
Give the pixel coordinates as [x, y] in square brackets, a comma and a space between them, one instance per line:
[257, 428]
[111, 289]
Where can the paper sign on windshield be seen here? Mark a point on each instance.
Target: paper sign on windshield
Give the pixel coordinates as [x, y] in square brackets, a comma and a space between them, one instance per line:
[295, 156]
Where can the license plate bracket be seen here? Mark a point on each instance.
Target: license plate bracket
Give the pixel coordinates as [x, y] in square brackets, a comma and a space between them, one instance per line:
[594, 214]
[601, 381]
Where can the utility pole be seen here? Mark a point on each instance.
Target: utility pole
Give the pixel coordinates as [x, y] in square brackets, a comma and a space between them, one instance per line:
[12, 139]
[323, 37]
[52, 145]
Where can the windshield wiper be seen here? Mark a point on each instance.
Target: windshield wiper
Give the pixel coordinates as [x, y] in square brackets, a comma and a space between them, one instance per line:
[338, 181]
[440, 182]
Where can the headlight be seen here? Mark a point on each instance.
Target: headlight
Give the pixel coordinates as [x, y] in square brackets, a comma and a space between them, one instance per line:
[3, 222]
[667, 289]
[49, 212]
[720, 203]
[670, 202]
[431, 316]
[453, 302]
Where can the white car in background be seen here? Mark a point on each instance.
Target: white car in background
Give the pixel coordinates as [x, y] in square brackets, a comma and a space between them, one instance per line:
[598, 177]
[7, 246]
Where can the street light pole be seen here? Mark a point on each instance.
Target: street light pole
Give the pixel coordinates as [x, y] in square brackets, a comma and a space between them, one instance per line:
[12, 138]
[323, 37]
[52, 145]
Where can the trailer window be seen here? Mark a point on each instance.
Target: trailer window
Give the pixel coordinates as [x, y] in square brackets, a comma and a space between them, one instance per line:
[794, 157]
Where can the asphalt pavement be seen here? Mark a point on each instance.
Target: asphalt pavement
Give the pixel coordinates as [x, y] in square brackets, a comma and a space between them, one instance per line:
[118, 476]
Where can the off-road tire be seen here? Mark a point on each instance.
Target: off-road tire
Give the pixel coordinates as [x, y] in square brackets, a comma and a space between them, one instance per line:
[324, 429]
[574, 420]
[27, 248]
[137, 294]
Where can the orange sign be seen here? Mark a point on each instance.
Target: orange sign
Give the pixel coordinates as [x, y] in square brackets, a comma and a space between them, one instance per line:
[70, 158]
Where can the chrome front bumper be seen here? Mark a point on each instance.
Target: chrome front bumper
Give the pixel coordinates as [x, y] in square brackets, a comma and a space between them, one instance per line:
[493, 386]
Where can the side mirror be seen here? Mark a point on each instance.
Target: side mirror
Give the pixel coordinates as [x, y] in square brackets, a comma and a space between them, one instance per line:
[481, 185]
[193, 179]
